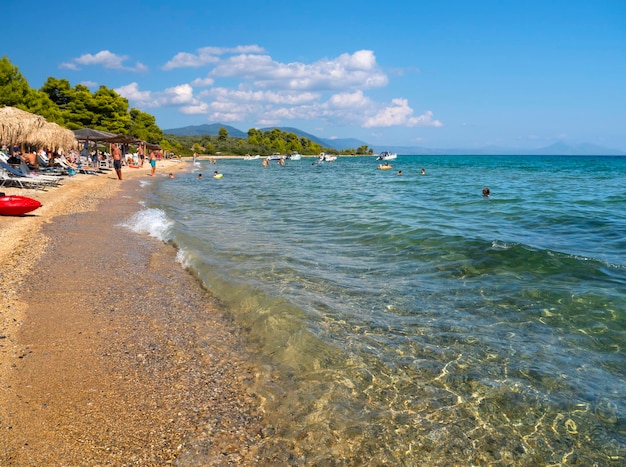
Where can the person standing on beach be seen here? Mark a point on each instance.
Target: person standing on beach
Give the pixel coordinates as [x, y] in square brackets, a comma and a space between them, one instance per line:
[117, 160]
[153, 158]
[141, 154]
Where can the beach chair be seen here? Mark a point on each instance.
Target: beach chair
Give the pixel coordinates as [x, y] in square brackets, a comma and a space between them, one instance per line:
[43, 160]
[106, 164]
[7, 179]
[63, 162]
[54, 178]
[19, 176]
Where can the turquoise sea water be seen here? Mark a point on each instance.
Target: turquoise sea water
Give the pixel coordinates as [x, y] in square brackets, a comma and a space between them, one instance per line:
[408, 320]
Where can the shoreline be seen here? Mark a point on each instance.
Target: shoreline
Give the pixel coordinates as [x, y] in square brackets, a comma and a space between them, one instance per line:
[110, 352]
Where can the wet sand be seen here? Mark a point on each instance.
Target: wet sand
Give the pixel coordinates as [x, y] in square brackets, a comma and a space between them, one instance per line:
[111, 353]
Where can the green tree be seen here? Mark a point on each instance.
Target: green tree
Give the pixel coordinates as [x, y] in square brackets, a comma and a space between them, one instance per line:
[222, 134]
[39, 103]
[14, 88]
[111, 111]
[78, 112]
[58, 90]
[174, 146]
[254, 137]
[144, 127]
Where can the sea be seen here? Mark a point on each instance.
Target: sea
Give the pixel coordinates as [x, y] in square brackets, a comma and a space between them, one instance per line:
[406, 319]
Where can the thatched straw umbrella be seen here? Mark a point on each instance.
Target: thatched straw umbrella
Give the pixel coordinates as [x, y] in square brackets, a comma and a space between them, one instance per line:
[52, 136]
[16, 125]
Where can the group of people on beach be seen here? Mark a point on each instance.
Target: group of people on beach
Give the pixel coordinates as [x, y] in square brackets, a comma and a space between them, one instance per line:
[116, 155]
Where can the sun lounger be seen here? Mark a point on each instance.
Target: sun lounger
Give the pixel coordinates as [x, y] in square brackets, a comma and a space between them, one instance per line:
[17, 173]
[7, 179]
[54, 178]
[43, 160]
[77, 168]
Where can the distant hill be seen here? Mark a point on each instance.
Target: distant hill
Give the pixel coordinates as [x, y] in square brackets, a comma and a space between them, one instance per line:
[300, 133]
[207, 129]
[583, 149]
[556, 149]
[213, 129]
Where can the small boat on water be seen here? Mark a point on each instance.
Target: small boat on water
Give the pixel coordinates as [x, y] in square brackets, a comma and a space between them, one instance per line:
[248, 157]
[386, 156]
[14, 205]
[274, 157]
[294, 156]
[323, 157]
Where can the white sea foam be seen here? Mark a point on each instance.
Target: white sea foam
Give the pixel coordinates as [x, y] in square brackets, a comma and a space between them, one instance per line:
[154, 222]
[499, 245]
[182, 257]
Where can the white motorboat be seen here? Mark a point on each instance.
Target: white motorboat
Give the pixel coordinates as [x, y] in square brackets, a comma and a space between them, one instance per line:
[386, 156]
[294, 156]
[323, 157]
[248, 157]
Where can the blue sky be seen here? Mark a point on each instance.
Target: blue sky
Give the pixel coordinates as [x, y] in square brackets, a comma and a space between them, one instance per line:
[439, 74]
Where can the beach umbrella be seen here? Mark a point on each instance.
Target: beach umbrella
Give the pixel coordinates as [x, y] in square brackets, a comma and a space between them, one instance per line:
[99, 136]
[89, 134]
[16, 125]
[53, 136]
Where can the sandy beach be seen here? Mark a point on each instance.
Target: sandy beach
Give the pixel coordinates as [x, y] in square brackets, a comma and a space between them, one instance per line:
[111, 353]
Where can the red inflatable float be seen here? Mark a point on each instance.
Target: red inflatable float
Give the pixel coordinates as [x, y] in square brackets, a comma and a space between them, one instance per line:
[14, 205]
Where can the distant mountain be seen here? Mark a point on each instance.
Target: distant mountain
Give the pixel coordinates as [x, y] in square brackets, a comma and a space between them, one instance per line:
[213, 129]
[300, 133]
[556, 149]
[583, 149]
[207, 129]
[345, 143]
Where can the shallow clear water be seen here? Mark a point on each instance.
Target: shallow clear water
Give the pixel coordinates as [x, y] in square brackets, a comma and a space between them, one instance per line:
[408, 320]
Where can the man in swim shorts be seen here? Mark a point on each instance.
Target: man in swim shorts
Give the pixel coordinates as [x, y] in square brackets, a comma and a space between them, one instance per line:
[117, 160]
[153, 158]
[142, 156]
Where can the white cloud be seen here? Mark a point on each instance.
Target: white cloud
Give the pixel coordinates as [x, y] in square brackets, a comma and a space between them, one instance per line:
[358, 70]
[182, 94]
[206, 55]
[238, 96]
[197, 109]
[105, 59]
[68, 66]
[352, 100]
[400, 114]
[132, 93]
[203, 82]
[177, 96]
[245, 84]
